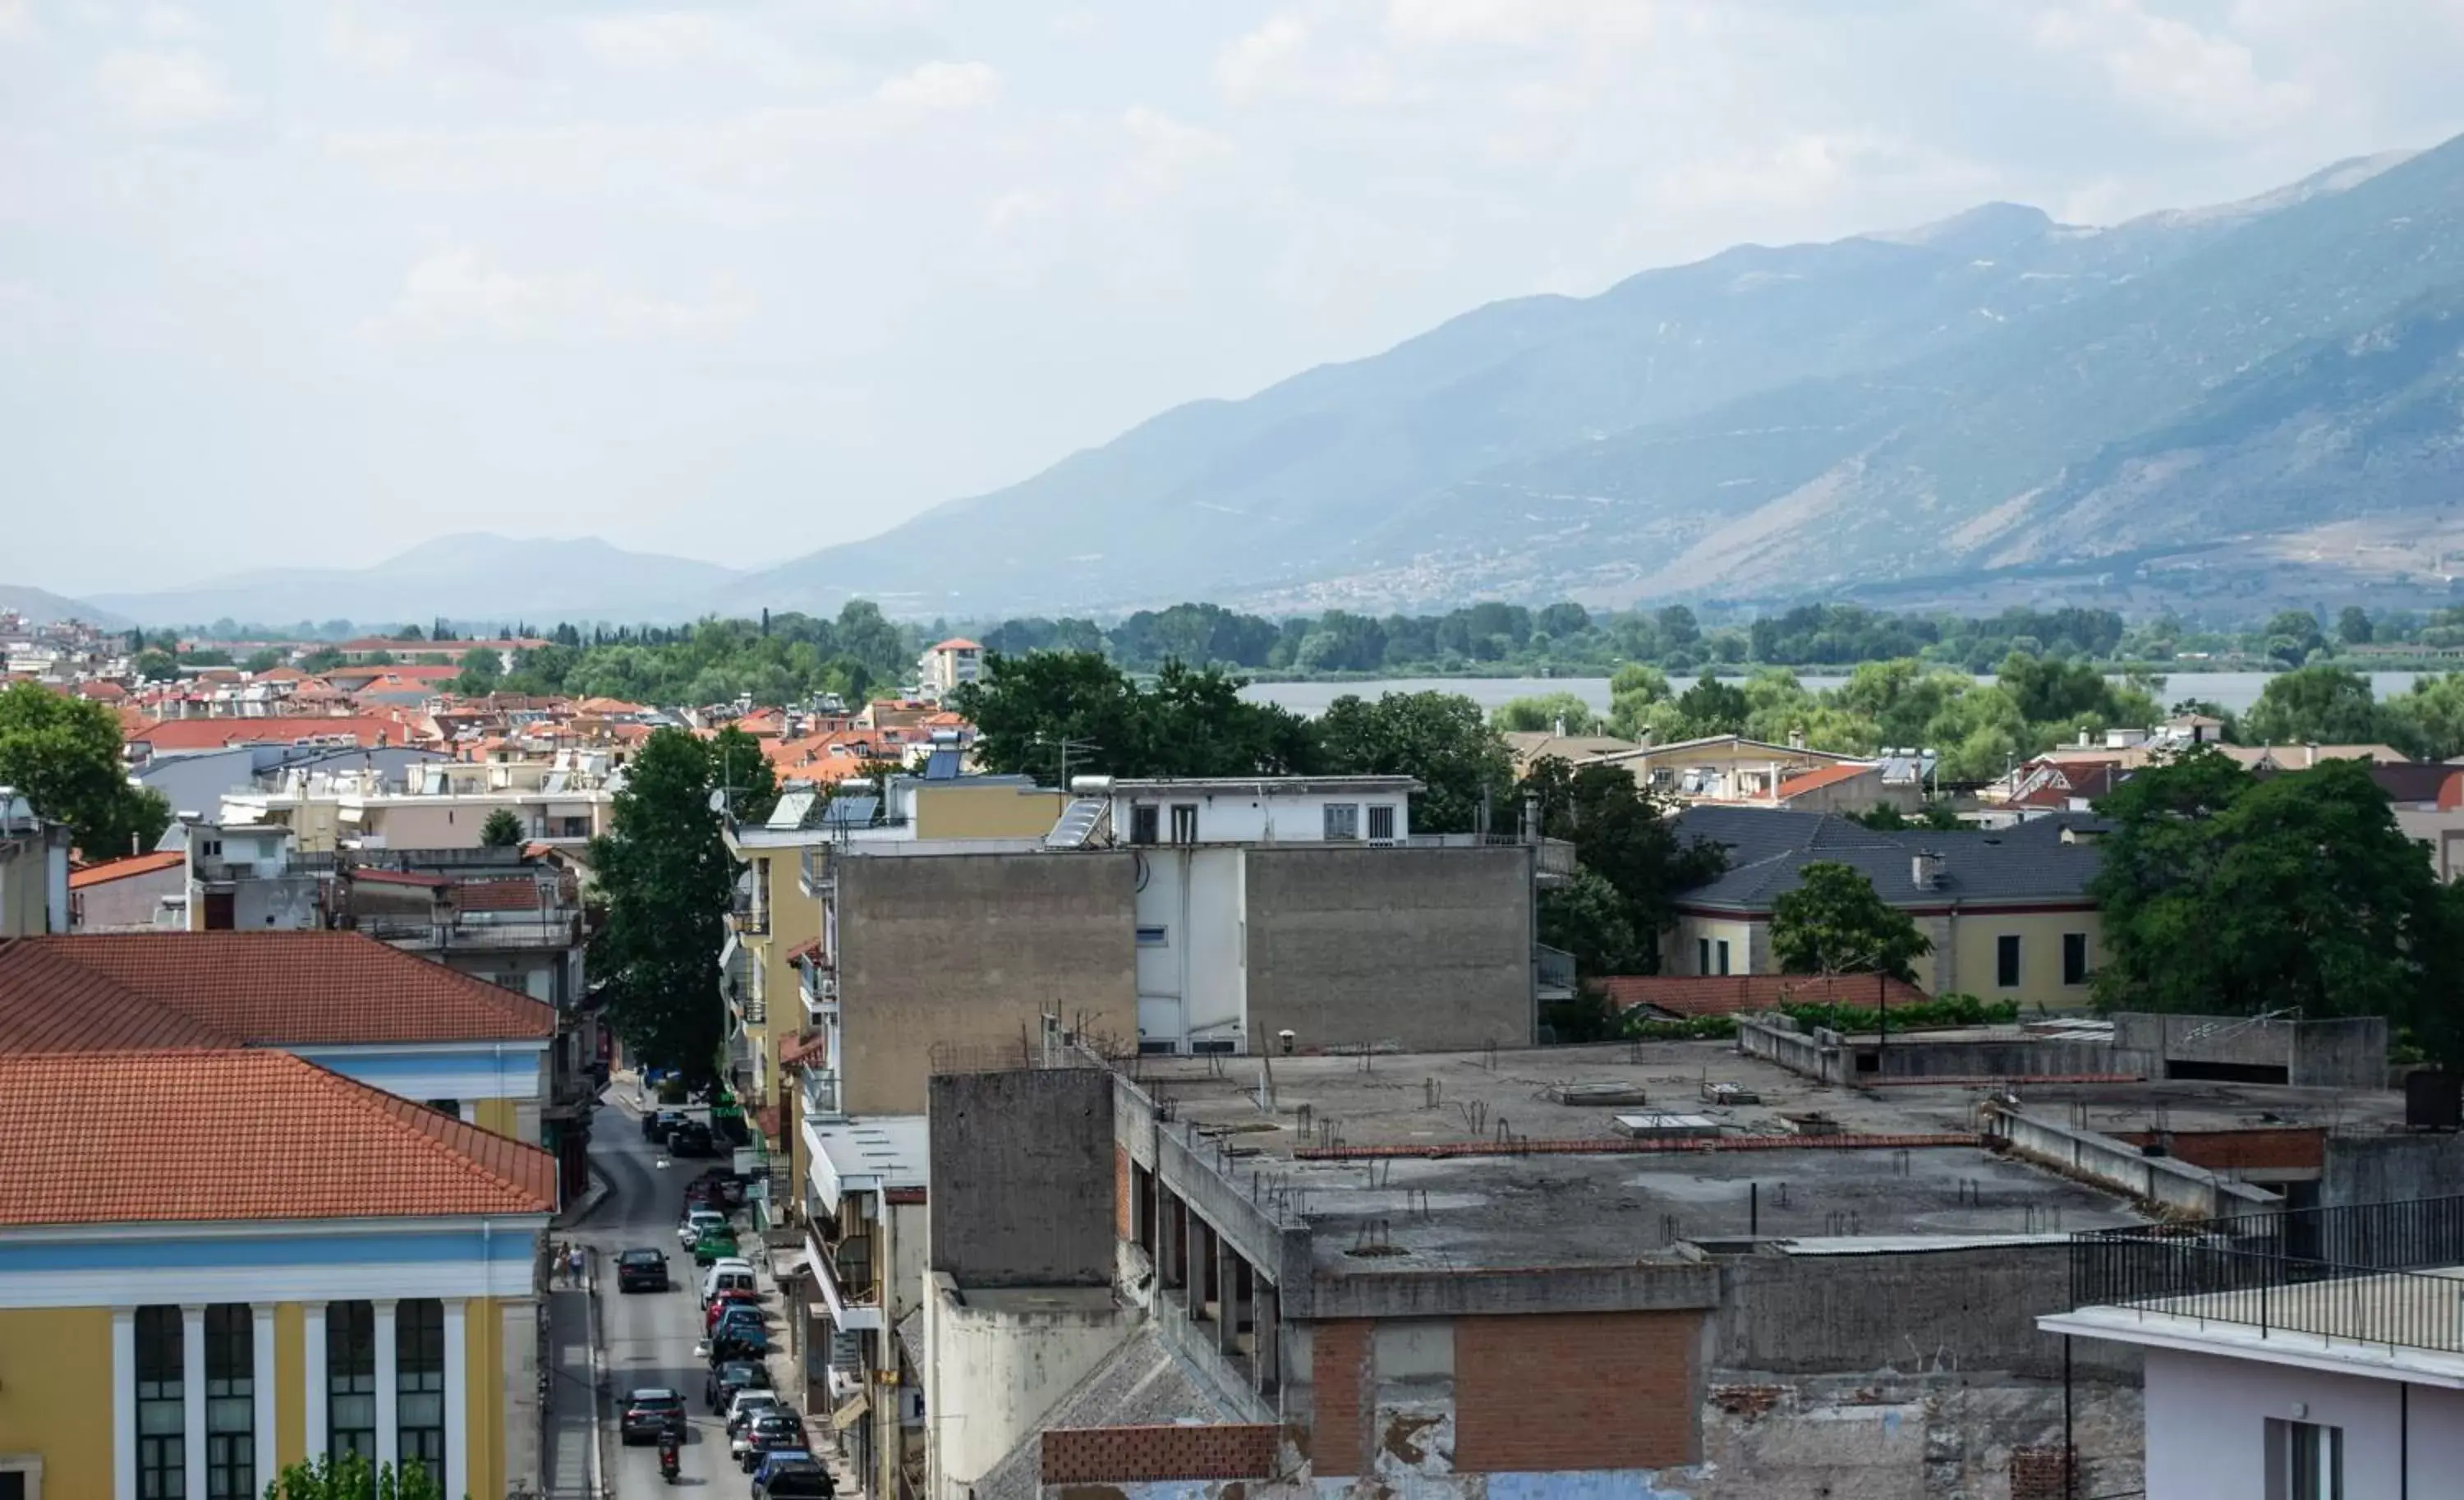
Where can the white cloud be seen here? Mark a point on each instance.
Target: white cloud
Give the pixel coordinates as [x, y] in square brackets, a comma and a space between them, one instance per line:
[942, 86]
[460, 294]
[1292, 57]
[1519, 23]
[16, 20]
[2200, 80]
[1164, 154]
[653, 41]
[370, 46]
[169, 23]
[162, 90]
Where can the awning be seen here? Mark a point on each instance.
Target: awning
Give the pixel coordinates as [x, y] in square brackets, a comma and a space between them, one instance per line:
[788, 1265]
[848, 1415]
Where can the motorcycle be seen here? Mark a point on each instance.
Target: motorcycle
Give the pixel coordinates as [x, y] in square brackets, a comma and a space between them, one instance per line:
[669, 1462]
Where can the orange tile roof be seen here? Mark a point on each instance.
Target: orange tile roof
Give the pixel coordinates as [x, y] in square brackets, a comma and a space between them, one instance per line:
[214, 734]
[1743, 994]
[111, 869]
[192, 1135]
[305, 988]
[497, 895]
[958, 643]
[1815, 781]
[49, 1003]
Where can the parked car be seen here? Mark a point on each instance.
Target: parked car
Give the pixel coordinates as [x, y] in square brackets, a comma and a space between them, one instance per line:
[738, 1322]
[659, 1123]
[714, 1246]
[727, 1381]
[766, 1433]
[651, 1411]
[739, 1344]
[785, 1472]
[698, 1221]
[720, 1184]
[733, 1297]
[731, 1274]
[642, 1269]
[691, 1138]
[745, 1406]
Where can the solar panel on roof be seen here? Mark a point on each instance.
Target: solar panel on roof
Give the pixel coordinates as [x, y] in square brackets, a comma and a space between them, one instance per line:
[792, 811]
[852, 812]
[941, 765]
[1077, 823]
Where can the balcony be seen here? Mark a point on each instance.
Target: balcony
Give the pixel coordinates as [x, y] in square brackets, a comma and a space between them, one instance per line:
[748, 916]
[821, 1099]
[844, 1273]
[813, 875]
[1553, 972]
[471, 932]
[819, 985]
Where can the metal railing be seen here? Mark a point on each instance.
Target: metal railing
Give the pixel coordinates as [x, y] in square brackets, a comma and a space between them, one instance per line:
[2358, 1273]
[545, 931]
[751, 918]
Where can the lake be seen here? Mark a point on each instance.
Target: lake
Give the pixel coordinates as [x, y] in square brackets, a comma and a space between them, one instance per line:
[2234, 691]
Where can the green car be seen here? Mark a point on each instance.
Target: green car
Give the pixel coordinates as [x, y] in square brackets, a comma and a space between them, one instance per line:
[716, 1244]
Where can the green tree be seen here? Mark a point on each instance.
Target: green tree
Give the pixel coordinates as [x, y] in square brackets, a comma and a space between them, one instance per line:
[1438, 738]
[1192, 723]
[503, 830]
[156, 666]
[2429, 719]
[65, 755]
[1627, 838]
[1589, 918]
[667, 880]
[263, 660]
[2353, 625]
[1544, 712]
[2317, 705]
[482, 669]
[353, 1477]
[1712, 707]
[1835, 922]
[2225, 893]
[1631, 693]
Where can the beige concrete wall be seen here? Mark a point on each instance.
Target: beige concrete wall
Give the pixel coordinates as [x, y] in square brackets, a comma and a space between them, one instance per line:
[994, 1374]
[955, 957]
[960, 811]
[1426, 948]
[1749, 945]
[1964, 946]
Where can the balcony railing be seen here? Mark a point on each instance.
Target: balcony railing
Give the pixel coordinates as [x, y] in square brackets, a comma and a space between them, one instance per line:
[1555, 969]
[2384, 1274]
[819, 989]
[813, 872]
[749, 916]
[467, 933]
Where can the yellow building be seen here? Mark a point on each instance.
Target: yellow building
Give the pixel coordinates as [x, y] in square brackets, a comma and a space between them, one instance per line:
[215, 1262]
[2007, 911]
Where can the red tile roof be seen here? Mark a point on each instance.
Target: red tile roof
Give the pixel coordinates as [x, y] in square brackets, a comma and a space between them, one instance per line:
[401, 878]
[214, 734]
[49, 1004]
[1815, 781]
[304, 988]
[111, 869]
[1743, 994]
[958, 643]
[194, 1135]
[497, 895]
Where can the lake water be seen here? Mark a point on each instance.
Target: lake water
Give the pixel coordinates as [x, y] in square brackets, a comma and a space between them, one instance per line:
[2234, 691]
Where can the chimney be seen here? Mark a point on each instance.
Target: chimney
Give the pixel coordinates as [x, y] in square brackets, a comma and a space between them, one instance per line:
[2082, 744]
[1796, 738]
[1924, 870]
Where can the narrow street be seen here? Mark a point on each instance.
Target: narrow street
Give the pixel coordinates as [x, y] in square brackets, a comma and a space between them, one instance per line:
[647, 1338]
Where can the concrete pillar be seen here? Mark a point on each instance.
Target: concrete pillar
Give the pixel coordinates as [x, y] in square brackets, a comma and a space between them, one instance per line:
[520, 1404]
[388, 1385]
[193, 1392]
[1228, 1298]
[319, 1435]
[123, 1404]
[260, 1376]
[457, 1399]
[1195, 1265]
[1170, 1227]
[1268, 1327]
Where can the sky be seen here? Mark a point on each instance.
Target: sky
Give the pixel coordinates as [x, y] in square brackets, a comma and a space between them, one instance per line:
[304, 281]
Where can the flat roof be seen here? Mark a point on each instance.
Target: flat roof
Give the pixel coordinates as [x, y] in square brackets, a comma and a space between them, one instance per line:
[2353, 1325]
[1260, 785]
[862, 1156]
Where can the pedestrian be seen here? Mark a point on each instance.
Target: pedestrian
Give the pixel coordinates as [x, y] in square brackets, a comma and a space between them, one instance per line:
[577, 1266]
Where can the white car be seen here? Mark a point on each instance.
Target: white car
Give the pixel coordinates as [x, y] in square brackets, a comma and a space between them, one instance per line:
[696, 1222]
[747, 1405]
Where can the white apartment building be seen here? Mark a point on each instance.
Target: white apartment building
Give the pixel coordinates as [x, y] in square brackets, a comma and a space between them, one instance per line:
[943, 667]
[566, 799]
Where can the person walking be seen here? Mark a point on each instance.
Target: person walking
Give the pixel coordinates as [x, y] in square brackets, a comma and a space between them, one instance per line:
[576, 1255]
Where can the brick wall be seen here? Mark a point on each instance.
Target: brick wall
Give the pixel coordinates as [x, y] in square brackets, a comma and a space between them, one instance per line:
[1122, 1223]
[1344, 1390]
[1560, 1391]
[2298, 1148]
[2037, 1473]
[1123, 1455]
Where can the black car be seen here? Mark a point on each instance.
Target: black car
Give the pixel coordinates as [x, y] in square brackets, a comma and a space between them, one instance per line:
[738, 1343]
[651, 1411]
[731, 1376]
[656, 1124]
[772, 1430]
[782, 1475]
[642, 1270]
[691, 1138]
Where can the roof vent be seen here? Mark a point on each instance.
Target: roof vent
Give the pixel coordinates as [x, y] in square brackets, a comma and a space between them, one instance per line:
[1924, 870]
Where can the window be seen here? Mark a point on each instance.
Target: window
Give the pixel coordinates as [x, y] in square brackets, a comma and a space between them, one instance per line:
[230, 1402]
[1154, 936]
[1702, 955]
[210, 849]
[1721, 949]
[161, 1406]
[452, 1106]
[2304, 1461]
[419, 1358]
[1382, 823]
[1342, 820]
[2073, 957]
[2006, 960]
[21, 1479]
[351, 1378]
[1142, 824]
[1184, 823]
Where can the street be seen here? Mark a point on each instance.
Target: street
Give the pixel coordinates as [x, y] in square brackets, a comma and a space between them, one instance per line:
[646, 1338]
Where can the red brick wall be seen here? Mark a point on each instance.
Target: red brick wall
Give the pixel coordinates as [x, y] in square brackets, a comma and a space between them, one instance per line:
[1122, 1224]
[2037, 1474]
[1345, 1390]
[1558, 1391]
[1121, 1455]
[2296, 1148]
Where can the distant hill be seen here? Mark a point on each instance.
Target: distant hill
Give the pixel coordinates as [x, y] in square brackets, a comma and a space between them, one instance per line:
[472, 576]
[2225, 401]
[44, 608]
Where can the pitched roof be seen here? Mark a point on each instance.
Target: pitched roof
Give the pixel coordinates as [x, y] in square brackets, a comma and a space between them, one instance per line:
[958, 643]
[195, 1134]
[49, 1004]
[2031, 861]
[212, 734]
[304, 988]
[1743, 994]
[121, 868]
[1796, 787]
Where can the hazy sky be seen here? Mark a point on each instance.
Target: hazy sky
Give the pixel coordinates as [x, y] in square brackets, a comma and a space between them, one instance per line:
[286, 280]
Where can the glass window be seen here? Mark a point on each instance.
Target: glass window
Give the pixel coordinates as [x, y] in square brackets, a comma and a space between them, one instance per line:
[2304, 1461]
[351, 1378]
[1702, 955]
[419, 1358]
[161, 1405]
[1342, 820]
[1184, 823]
[1142, 824]
[1722, 949]
[2006, 960]
[230, 1402]
[2073, 957]
[1154, 936]
[1382, 823]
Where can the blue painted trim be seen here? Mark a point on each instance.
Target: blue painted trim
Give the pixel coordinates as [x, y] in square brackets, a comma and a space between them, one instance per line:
[348, 1250]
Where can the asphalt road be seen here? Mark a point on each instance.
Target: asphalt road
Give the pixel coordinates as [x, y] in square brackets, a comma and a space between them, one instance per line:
[649, 1336]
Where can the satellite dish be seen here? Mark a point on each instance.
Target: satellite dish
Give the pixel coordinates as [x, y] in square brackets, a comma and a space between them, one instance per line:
[718, 799]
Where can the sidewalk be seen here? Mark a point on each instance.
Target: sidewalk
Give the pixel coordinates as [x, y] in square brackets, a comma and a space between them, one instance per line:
[572, 1396]
[789, 1379]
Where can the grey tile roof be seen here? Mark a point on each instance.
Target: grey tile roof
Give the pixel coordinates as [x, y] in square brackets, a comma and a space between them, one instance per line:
[1144, 1383]
[1768, 849]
